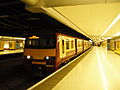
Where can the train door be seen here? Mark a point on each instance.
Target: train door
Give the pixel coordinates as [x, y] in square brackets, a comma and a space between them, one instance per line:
[63, 48]
[60, 49]
[83, 45]
[62, 44]
[108, 44]
[119, 46]
[84, 42]
[115, 45]
[76, 46]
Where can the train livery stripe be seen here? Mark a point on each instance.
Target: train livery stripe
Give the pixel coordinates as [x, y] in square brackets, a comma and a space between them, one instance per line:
[41, 63]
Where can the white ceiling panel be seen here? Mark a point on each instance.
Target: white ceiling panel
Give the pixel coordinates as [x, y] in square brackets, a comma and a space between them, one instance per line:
[115, 29]
[89, 17]
[93, 19]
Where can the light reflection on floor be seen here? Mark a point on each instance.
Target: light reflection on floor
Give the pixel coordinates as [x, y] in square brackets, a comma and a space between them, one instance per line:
[99, 70]
[11, 51]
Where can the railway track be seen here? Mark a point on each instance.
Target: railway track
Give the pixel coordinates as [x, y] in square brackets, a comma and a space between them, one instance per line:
[13, 76]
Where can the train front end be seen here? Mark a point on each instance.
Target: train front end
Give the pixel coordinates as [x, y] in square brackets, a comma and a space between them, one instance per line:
[40, 54]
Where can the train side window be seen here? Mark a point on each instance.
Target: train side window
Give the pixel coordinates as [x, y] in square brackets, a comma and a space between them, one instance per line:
[115, 45]
[67, 44]
[63, 46]
[79, 44]
[48, 41]
[72, 44]
[10, 44]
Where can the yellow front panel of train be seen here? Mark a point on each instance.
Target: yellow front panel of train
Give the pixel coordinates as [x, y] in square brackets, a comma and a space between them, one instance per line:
[40, 53]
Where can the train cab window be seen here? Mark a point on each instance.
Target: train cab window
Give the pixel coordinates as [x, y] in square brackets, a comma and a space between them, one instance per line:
[48, 42]
[67, 44]
[33, 43]
[44, 42]
[63, 46]
[72, 46]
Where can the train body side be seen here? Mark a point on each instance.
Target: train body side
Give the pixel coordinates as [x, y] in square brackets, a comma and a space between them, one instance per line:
[68, 47]
[65, 47]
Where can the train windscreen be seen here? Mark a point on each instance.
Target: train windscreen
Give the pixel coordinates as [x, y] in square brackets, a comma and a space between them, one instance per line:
[43, 42]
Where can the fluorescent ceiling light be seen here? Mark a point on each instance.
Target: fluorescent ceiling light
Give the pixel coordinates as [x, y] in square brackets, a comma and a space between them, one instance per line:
[90, 41]
[108, 38]
[103, 38]
[109, 27]
[117, 34]
[20, 38]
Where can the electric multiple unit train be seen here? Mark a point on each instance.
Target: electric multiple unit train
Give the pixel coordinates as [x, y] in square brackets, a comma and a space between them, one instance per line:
[47, 52]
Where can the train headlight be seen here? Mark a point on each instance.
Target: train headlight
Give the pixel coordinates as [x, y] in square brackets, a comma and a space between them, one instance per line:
[50, 60]
[47, 57]
[28, 57]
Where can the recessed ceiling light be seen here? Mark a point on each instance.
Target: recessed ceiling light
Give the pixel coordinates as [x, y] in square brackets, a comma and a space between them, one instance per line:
[109, 27]
[108, 38]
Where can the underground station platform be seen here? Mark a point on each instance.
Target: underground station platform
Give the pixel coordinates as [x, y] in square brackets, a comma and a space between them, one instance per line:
[50, 31]
[97, 69]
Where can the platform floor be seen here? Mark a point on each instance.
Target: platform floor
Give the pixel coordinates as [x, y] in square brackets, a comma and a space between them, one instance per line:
[5, 52]
[99, 70]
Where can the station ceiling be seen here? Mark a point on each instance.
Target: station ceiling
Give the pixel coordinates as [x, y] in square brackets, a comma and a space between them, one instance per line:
[15, 20]
[96, 19]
